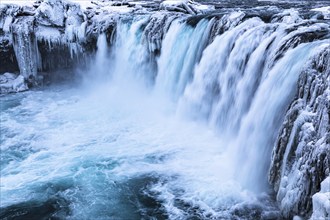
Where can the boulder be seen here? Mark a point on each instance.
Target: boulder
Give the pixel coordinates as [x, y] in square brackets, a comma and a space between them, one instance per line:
[10, 82]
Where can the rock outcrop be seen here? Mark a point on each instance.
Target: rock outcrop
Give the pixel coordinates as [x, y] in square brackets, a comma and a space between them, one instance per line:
[301, 156]
[10, 82]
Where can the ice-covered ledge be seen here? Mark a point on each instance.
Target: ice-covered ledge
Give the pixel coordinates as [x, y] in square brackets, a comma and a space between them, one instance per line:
[33, 29]
[70, 28]
[10, 82]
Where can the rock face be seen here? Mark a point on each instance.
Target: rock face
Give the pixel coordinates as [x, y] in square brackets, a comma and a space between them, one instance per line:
[56, 34]
[301, 156]
[39, 34]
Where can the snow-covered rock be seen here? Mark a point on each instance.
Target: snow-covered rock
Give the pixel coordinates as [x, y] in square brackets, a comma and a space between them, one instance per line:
[321, 201]
[51, 13]
[300, 160]
[10, 82]
[288, 16]
[185, 6]
[4, 78]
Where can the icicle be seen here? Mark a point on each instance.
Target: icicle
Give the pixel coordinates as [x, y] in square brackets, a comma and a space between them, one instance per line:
[25, 46]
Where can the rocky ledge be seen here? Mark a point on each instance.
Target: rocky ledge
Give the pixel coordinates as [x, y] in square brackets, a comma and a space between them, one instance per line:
[301, 156]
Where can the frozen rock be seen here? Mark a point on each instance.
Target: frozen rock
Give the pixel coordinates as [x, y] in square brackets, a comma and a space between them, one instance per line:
[185, 6]
[321, 201]
[51, 13]
[156, 29]
[299, 34]
[10, 82]
[300, 160]
[25, 45]
[288, 16]
[4, 78]
[19, 84]
[7, 14]
[75, 23]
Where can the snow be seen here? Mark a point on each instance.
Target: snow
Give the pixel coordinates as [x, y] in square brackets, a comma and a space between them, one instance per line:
[204, 7]
[105, 6]
[7, 23]
[118, 9]
[236, 14]
[18, 2]
[321, 201]
[174, 3]
[185, 6]
[84, 4]
[51, 13]
[291, 17]
[10, 82]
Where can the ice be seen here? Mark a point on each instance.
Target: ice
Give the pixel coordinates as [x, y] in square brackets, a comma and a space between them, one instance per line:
[84, 4]
[25, 46]
[51, 13]
[10, 82]
[7, 23]
[288, 16]
[321, 201]
[302, 149]
[18, 2]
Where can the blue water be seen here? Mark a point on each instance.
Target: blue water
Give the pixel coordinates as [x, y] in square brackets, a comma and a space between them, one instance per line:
[71, 152]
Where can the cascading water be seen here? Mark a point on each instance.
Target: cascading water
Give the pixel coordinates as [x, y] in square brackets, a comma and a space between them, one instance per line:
[177, 127]
[251, 98]
[182, 49]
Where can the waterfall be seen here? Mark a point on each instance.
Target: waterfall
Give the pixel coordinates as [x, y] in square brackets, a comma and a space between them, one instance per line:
[181, 49]
[184, 111]
[261, 124]
[101, 56]
[232, 84]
